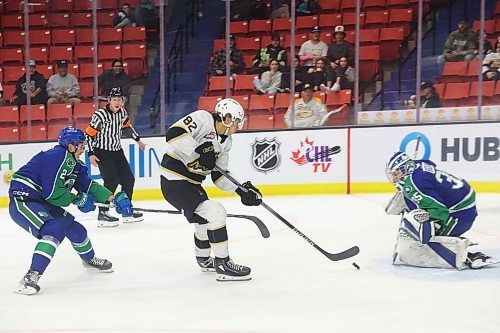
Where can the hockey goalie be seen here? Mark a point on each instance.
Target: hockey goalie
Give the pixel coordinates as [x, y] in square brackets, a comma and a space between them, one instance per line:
[437, 209]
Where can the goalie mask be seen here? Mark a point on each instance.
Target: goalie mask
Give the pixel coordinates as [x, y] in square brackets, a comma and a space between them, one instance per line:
[229, 107]
[399, 167]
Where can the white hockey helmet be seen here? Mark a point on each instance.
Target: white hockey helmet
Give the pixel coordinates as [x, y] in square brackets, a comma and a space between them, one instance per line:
[400, 166]
[233, 109]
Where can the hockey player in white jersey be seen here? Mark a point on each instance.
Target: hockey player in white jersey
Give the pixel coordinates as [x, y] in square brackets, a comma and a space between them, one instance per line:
[195, 144]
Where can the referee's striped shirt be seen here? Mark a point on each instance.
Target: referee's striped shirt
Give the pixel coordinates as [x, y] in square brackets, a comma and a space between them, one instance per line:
[105, 129]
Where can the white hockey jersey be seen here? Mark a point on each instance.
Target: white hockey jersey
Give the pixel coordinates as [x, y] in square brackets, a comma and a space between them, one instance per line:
[180, 162]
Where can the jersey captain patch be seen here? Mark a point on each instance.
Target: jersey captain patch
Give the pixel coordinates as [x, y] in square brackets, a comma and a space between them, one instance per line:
[266, 155]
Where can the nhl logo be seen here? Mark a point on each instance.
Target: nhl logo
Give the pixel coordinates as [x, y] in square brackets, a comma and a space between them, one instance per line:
[265, 155]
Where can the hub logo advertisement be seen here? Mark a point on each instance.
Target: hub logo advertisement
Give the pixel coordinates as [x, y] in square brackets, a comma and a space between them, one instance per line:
[266, 155]
[453, 149]
[316, 156]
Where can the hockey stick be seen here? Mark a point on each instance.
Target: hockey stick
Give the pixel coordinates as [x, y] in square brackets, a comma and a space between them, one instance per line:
[351, 252]
[258, 222]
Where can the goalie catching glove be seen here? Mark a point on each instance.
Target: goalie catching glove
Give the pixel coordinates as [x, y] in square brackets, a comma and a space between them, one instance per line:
[123, 204]
[84, 202]
[207, 155]
[251, 197]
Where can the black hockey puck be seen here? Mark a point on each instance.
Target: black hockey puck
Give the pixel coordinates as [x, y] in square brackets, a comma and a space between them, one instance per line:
[356, 265]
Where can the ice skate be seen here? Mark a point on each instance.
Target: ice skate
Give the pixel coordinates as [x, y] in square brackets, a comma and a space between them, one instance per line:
[227, 270]
[206, 264]
[477, 260]
[106, 220]
[29, 283]
[98, 265]
[136, 217]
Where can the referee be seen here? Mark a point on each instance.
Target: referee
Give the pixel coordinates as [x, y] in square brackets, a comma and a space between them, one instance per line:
[105, 151]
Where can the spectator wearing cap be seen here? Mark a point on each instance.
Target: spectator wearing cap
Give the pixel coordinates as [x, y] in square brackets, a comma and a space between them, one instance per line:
[114, 77]
[125, 17]
[313, 49]
[309, 111]
[460, 45]
[307, 7]
[63, 87]
[429, 99]
[340, 48]
[273, 51]
[37, 88]
[236, 62]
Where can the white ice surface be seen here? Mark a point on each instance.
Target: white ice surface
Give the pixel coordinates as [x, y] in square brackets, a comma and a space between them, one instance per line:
[157, 287]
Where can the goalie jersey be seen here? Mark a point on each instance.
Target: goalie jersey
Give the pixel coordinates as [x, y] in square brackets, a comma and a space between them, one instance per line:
[51, 175]
[439, 193]
[180, 162]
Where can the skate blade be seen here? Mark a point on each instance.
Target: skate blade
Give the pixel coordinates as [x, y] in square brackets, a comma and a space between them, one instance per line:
[209, 270]
[97, 270]
[132, 219]
[26, 290]
[227, 278]
[108, 224]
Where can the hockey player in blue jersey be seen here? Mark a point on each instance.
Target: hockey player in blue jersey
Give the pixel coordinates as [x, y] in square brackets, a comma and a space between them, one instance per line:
[38, 192]
[440, 208]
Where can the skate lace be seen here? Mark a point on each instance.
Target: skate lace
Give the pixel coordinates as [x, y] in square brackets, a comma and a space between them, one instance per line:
[96, 261]
[32, 276]
[234, 266]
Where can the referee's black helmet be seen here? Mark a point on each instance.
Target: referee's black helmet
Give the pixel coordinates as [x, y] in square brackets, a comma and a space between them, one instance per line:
[115, 92]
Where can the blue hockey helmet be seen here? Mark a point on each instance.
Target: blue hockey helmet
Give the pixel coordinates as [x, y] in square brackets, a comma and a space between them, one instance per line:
[71, 135]
[400, 166]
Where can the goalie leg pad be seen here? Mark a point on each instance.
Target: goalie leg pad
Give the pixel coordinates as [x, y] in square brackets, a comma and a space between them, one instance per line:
[441, 252]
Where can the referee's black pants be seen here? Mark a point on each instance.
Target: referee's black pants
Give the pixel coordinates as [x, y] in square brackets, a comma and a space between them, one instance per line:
[115, 170]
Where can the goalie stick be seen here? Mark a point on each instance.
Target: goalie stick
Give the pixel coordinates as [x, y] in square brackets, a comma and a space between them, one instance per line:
[258, 222]
[351, 252]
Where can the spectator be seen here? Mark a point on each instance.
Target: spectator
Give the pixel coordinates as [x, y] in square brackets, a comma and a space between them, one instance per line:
[240, 11]
[309, 111]
[339, 78]
[218, 65]
[308, 7]
[146, 15]
[2, 101]
[273, 51]
[459, 46]
[63, 87]
[115, 77]
[313, 49]
[317, 74]
[258, 10]
[281, 10]
[430, 97]
[125, 17]
[300, 76]
[340, 48]
[270, 81]
[491, 64]
[37, 88]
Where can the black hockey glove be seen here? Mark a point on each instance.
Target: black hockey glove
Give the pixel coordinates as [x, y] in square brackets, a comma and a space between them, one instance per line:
[252, 197]
[207, 155]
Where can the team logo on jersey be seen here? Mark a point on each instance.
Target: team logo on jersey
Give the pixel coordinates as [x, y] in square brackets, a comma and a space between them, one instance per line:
[43, 214]
[209, 136]
[71, 163]
[408, 189]
[266, 156]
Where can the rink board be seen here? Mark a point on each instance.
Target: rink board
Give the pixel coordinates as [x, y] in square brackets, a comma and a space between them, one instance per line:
[297, 161]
